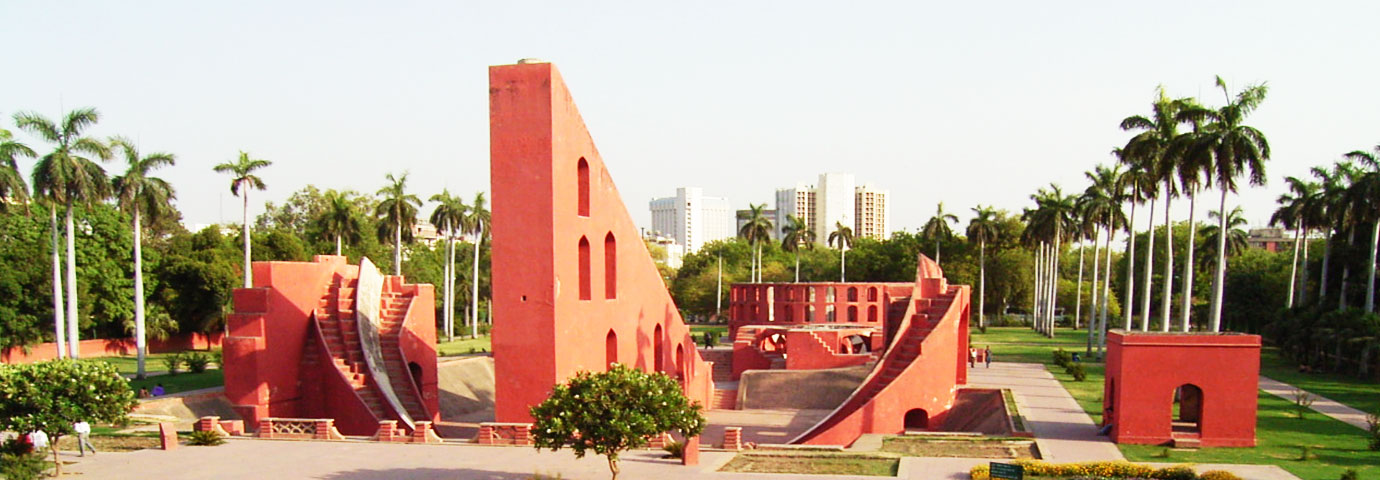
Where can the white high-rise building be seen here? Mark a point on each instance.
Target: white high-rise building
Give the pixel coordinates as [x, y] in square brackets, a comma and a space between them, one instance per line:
[798, 201]
[835, 199]
[692, 219]
[872, 213]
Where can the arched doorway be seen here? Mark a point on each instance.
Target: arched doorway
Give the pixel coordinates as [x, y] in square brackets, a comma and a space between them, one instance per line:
[680, 362]
[610, 349]
[659, 350]
[917, 419]
[1187, 415]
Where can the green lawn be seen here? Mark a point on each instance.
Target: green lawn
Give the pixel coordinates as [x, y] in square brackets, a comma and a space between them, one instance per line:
[697, 332]
[1357, 393]
[464, 346]
[814, 464]
[181, 382]
[1336, 446]
[128, 364]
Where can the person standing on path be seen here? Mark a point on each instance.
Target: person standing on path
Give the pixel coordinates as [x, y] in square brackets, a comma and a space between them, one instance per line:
[972, 357]
[39, 440]
[83, 430]
[987, 355]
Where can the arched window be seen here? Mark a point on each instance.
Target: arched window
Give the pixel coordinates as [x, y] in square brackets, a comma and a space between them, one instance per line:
[583, 187]
[659, 349]
[829, 295]
[852, 294]
[917, 419]
[872, 313]
[1188, 408]
[584, 270]
[680, 361]
[610, 350]
[872, 294]
[610, 266]
[852, 313]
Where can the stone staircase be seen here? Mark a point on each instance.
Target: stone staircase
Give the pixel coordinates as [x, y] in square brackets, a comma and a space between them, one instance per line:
[336, 316]
[392, 315]
[725, 389]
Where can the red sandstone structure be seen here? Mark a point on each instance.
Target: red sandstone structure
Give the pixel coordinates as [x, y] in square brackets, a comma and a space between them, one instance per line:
[318, 341]
[1213, 378]
[916, 333]
[573, 284]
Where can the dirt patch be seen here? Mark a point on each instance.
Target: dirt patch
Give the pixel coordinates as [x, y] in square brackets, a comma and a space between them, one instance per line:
[967, 448]
[112, 443]
[815, 464]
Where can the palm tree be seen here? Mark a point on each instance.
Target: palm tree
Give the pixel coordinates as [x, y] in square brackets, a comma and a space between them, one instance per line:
[1236, 149]
[1291, 214]
[1365, 198]
[397, 214]
[12, 186]
[1101, 207]
[1153, 149]
[449, 214]
[1331, 211]
[1192, 170]
[339, 221]
[795, 235]
[1139, 187]
[242, 179]
[1234, 241]
[843, 237]
[755, 230]
[140, 194]
[983, 228]
[67, 176]
[937, 228]
[476, 222]
[1050, 222]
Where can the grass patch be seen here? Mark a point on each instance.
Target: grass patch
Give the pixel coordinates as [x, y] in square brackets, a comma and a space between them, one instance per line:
[1017, 421]
[465, 346]
[978, 447]
[1024, 335]
[182, 382]
[1361, 394]
[129, 364]
[697, 333]
[112, 442]
[1334, 446]
[814, 464]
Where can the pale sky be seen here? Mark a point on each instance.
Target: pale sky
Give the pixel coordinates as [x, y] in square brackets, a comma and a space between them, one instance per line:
[961, 102]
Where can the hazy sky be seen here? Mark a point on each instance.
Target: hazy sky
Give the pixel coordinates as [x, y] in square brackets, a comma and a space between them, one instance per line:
[964, 102]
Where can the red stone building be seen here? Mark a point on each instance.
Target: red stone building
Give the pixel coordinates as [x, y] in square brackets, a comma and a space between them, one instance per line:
[574, 287]
[325, 339]
[1182, 389]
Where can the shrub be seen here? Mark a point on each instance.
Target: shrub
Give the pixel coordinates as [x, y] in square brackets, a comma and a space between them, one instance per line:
[39, 396]
[1373, 430]
[484, 329]
[218, 356]
[1218, 475]
[205, 438]
[1303, 401]
[1350, 474]
[22, 466]
[196, 361]
[1076, 370]
[1062, 358]
[1177, 472]
[173, 362]
[674, 450]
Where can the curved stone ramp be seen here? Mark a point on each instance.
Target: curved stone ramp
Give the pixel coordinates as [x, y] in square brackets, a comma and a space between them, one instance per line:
[466, 385]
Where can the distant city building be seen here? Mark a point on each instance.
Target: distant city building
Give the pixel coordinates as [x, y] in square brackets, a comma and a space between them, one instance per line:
[692, 219]
[674, 256]
[872, 213]
[771, 216]
[836, 199]
[1271, 239]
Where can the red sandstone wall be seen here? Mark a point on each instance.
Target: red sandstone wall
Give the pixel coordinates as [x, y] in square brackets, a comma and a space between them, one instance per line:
[418, 341]
[814, 350]
[1144, 369]
[546, 332]
[110, 347]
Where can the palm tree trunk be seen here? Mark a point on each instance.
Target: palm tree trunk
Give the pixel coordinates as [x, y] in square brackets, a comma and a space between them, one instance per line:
[337, 245]
[1370, 282]
[1166, 300]
[1036, 293]
[448, 296]
[1346, 272]
[58, 323]
[474, 285]
[1303, 269]
[936, 251]
[1130, 265]
[1106, 295]
[248, 272]
[1149, 265]
[73, 333]
[1092, 306]
[1293, 269]
[982, 281]
[1054, 283]
[1220, 277]
[1187, 301]
[797, 264]
[1078, 295]
[140, 341]
[1327, 255]
[397, 248]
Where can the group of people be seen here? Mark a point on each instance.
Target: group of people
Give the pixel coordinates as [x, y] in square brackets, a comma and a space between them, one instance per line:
[973, 356]
[38, 439]
[158, 391]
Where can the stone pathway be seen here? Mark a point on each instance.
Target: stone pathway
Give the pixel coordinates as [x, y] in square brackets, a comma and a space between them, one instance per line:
[1063, 431]
[1323, 405]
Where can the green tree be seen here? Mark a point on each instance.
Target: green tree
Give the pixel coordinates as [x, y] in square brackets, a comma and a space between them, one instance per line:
[982, 228]
[1100, 205]
[339, 220]
[614, 411]
[69, 177]
[12, 186]
[937, 228]
[51, 395]
[448, 215]
[1364, 197]
[842, 236]
[1236, 149]
[1293, 214]
[476, 223]
[139, 194]
[795, 235]
[756, 229]
[1154, 148]
[397, 214]
[21, 312]
[1235, 241]
[243, 179]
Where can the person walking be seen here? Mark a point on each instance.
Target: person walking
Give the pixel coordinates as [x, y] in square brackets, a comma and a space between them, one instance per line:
[987, 355]
[83, 430]
[39, 440]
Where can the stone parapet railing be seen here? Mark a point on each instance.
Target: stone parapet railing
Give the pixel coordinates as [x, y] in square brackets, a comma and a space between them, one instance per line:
[497, 433]
[299, 428]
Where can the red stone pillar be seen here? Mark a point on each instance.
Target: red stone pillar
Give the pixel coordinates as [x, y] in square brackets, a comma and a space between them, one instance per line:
[733, 438]
[690, 455]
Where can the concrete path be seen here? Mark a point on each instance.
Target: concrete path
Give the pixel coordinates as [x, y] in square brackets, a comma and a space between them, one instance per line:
[1323, 405]
[1063, 431]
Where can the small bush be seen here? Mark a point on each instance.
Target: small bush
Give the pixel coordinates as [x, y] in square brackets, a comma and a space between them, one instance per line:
[1351, 474]
[1077, 371]
[22, 466]
[1218, 475]
[982, 328]
[674, 450]
[173, 362]
[1164, 453]
[484, 329]
[1303, 402]
[218, 356]
[1062, 358]
[205, 438]
[197, 361]
[1373, 430]
[1177, 472]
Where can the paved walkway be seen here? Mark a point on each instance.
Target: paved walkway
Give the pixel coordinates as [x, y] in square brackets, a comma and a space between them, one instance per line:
[1063, 431]
[1323, 405]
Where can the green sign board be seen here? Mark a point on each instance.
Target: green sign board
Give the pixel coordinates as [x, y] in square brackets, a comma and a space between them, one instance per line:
[1006, 471]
